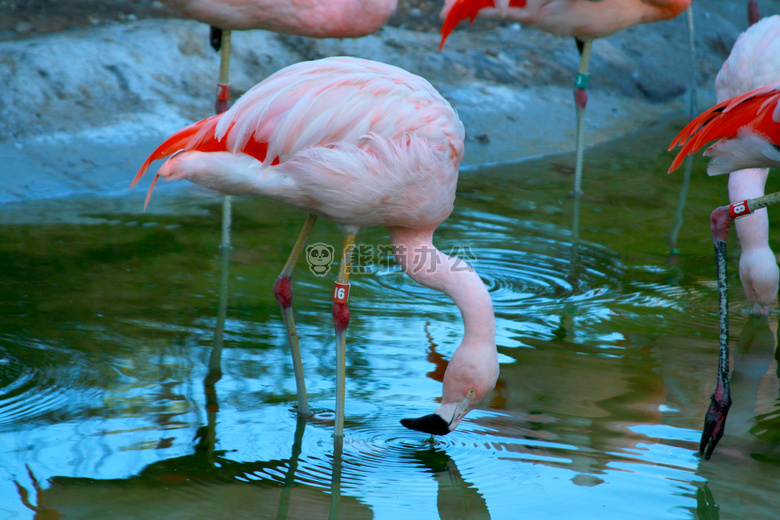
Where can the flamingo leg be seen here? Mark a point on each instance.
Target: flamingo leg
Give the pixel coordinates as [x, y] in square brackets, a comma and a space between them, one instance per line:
[715, 419]
[720, 225]
[223, 87]
[340, 323]
[674, 248]
[284, 295]
[581, 100]
[221, 41]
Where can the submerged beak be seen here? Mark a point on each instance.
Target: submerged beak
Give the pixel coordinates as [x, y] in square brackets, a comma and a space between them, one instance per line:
[441, 422]
[432, 423]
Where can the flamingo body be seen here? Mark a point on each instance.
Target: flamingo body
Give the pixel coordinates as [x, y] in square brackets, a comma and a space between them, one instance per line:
[314, 18]
[582, 19]
[364, 144]
[361, 143]
[746, 129]
[754, 61]
[746, 121]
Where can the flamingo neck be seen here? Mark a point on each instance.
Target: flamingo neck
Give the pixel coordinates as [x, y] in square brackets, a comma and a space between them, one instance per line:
[415, 253]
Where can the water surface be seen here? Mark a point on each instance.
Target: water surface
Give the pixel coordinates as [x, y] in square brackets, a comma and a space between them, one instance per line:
[608, 349]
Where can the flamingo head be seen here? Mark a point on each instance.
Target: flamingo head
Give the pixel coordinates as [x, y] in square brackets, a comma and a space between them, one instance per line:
[468, 379]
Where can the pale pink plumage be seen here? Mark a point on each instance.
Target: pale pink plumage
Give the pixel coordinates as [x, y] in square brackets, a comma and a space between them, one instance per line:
[364, 144]
[584, 19]
[314, 18]
[753, 63]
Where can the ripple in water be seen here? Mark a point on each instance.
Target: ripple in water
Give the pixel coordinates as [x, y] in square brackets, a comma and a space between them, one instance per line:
[36, 382]
[541, 272]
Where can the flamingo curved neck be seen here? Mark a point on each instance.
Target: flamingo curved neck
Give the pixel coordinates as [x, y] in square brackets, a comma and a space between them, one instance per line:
[415, 253]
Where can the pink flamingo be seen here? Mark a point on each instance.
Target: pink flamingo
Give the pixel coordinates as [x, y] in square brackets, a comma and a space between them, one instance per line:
[754, 62]
[582, 19]
[747, 131]
[363, 144]
[313, 18]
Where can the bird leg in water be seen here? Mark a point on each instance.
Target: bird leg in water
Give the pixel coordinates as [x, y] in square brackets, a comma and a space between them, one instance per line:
[720, 225]
[340, 323]
[674, 248]
[581, 100]
[284, 295]
[715, 420]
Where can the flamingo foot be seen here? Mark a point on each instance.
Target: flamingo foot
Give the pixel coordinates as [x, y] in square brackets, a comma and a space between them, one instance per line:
[432, 423]
[715, 420]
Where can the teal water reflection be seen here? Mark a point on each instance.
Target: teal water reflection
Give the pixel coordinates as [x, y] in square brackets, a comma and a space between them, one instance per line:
[607, 345]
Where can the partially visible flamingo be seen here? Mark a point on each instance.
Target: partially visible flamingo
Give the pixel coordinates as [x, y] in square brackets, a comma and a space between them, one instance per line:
[747, 131]
[313, 18]
[363, 144]
[585, 20]
[754, 62]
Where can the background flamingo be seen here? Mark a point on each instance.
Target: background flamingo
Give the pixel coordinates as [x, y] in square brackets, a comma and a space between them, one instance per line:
[315, 19]
[754, 62]
[364, 144]
[582, 19]
[747, 131]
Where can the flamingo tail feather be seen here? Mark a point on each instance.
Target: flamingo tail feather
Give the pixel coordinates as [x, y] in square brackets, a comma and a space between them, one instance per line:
[755, 109]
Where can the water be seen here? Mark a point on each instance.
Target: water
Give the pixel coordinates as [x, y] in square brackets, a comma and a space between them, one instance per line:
[607, 345]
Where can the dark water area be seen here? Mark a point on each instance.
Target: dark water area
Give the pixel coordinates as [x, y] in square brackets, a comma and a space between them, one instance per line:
[607, 345]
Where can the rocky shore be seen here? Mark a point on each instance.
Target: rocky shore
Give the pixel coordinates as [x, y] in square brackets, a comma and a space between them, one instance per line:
[82, 107]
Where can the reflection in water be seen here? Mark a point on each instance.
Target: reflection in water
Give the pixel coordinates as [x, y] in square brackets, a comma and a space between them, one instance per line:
[455, 497]
[204, 484]
[706, 507]
[753, 353]
[606, 354]
[206, 435]
[195, 486]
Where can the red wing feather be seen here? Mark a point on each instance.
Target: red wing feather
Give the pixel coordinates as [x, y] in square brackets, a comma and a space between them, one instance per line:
[463, 9]
[184, 139]
[201, 137]
[723, 121]
[460, 11]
